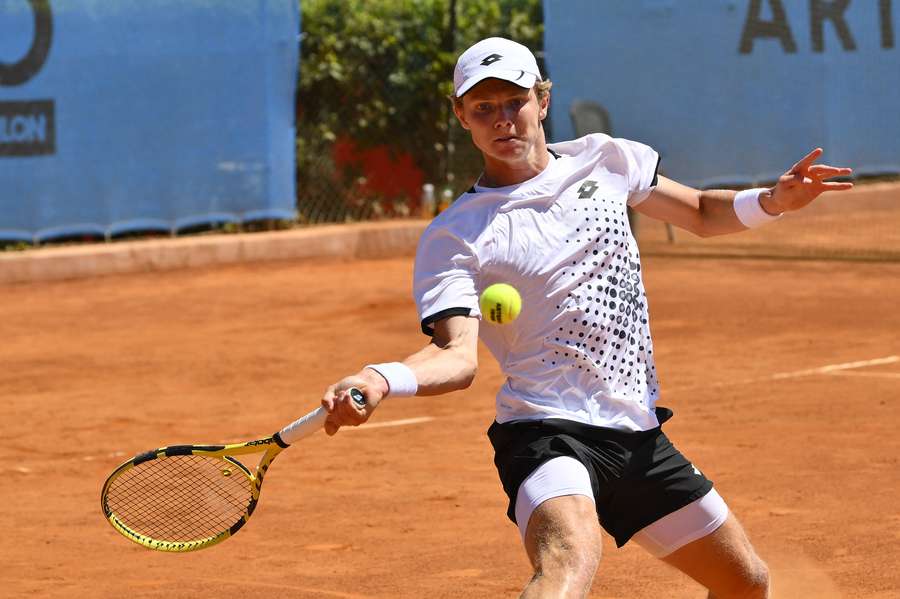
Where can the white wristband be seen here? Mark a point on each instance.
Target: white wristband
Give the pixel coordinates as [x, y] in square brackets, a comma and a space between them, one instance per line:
[748, 209]
[400, 378]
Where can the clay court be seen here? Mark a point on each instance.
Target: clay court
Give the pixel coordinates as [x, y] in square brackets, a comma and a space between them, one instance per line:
[784, 376]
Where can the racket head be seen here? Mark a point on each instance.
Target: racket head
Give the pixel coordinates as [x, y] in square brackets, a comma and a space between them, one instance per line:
[184, 497]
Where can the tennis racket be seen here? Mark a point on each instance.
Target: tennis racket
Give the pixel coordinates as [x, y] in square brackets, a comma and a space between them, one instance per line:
[187, 497]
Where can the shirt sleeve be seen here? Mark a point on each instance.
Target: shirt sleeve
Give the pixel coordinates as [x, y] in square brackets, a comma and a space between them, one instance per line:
[444, 278]
[641, 169]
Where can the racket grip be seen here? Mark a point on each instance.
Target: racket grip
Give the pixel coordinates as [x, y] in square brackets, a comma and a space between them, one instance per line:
[306, 425]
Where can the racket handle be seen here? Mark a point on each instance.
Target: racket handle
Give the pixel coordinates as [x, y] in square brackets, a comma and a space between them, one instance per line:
[306, 425]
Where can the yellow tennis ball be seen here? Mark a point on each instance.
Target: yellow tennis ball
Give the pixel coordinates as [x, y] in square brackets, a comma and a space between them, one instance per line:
[500, 303]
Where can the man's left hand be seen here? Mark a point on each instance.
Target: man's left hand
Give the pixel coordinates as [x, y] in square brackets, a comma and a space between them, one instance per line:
[803, 183]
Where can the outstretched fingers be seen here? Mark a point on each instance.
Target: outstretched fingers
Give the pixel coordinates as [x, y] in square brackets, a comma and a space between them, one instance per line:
[820, 172]
[806, 161]
[824, 171]
[836, 185]
[805, 181]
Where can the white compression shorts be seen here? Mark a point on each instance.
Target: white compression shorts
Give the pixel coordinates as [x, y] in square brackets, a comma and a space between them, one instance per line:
[567, 476]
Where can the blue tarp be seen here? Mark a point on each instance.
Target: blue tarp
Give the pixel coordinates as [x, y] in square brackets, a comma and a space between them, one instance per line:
[734, 91]
[127, 115]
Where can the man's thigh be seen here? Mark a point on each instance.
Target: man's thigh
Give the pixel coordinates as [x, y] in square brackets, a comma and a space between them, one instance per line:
[721, 561]
[563, 530]
[555, 511]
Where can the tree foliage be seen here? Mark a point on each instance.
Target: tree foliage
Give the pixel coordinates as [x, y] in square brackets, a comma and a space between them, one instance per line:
[378, 72]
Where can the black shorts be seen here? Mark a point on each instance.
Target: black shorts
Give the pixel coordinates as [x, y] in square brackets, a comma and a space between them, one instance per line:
[637, 477]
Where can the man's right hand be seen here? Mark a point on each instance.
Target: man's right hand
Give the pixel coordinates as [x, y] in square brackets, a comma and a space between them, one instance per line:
[342, 410]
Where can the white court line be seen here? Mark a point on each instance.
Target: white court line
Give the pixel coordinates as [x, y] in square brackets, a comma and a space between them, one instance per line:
[829, 369]
[886, 375]
[834, 368]
[388, 423]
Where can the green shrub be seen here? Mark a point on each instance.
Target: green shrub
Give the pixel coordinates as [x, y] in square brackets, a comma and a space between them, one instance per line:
[378, 73]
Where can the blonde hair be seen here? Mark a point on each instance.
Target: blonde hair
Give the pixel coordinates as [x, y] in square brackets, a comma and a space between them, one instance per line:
[542, 89]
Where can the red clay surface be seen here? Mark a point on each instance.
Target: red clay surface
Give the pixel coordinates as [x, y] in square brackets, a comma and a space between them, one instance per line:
[96, 370]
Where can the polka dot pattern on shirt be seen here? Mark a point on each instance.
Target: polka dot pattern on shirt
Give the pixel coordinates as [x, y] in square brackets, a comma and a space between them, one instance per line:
[605, 330]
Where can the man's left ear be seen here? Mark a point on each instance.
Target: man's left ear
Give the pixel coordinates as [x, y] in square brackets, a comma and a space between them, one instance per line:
[545, 106]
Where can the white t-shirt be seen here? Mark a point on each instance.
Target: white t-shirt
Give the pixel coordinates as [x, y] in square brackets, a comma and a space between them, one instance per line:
[580, 348]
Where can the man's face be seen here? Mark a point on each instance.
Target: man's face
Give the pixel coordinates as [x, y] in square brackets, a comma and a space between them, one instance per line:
[504, 119]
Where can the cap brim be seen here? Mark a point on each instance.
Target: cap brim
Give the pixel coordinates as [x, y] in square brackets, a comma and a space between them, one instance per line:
[519, 77]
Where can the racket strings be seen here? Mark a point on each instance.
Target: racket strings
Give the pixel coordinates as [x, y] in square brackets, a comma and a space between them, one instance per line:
[180, 498]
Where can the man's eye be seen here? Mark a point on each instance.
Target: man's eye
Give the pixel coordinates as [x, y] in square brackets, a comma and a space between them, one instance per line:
[483, 107]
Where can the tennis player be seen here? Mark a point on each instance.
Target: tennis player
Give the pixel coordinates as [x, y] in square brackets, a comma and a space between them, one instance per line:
[577, 437]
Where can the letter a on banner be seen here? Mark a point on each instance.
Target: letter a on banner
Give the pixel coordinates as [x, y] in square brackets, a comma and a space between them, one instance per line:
[778, 27]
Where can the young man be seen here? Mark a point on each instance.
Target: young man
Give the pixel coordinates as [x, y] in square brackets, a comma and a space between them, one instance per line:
[577, 437]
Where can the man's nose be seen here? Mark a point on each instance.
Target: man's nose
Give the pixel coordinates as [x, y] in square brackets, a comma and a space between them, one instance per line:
[505, 117]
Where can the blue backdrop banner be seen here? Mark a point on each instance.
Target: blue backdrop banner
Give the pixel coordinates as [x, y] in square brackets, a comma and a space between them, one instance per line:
[733, 91]
[127, 115]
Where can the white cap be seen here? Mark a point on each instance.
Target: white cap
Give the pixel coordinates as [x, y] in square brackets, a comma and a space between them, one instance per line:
[495, 57]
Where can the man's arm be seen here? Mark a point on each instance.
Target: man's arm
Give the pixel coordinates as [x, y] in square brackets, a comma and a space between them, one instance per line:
[711, 212]
[446, 364]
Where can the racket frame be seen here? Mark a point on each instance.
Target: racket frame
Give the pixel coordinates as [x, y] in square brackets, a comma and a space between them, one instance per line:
[272, 446]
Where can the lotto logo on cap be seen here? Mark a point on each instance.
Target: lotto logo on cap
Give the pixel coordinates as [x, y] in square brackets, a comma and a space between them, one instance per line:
[495, 57]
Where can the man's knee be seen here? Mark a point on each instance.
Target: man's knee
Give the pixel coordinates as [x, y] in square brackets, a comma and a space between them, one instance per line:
[564, 567]
[753, 583]
[758, 580]
[568, 553]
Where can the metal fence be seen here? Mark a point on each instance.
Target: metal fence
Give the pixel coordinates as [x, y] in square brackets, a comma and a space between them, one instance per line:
[376, 132]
